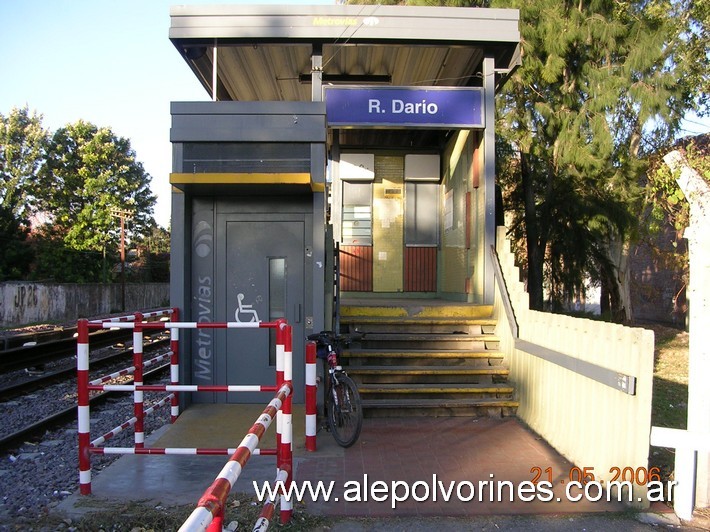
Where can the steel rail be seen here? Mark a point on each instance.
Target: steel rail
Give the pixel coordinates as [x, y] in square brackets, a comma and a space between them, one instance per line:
[68, 414]
[13, 390]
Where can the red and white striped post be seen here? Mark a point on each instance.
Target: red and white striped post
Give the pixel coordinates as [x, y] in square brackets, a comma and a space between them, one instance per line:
[174, 365]
[83, 413]
[311, 401]
[280, 350]
[139, 435]
[267, 512]
[286, 448]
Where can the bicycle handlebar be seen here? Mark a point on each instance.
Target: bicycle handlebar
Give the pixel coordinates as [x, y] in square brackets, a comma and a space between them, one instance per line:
[329, 337]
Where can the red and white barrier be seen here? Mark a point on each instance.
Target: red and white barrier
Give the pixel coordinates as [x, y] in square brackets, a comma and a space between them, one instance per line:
[280, 407]
[162, 313]
[174, 367]
[311, 401]
[138, 434]
[210, 507]
[130, 423]
[83, 414]
[285, 456]
[87, 447]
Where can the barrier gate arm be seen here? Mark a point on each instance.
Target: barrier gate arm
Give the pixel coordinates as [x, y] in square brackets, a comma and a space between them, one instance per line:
[211, 504]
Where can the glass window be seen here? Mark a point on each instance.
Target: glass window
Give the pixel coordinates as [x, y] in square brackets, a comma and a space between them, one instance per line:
[357, 214]
[421, 214]
[277, 300]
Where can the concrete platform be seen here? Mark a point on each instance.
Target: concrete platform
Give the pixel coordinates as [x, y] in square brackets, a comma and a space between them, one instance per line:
[421, 451]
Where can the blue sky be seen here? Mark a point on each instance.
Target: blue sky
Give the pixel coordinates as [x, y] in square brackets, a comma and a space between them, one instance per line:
[110, 63]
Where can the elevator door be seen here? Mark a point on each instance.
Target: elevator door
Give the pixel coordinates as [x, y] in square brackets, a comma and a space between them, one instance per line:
[263, 269]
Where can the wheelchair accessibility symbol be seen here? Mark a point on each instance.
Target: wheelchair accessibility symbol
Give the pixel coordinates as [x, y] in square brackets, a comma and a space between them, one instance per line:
[245, 313]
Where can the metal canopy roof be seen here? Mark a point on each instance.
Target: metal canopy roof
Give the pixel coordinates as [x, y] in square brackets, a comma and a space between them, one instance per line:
[264, 52]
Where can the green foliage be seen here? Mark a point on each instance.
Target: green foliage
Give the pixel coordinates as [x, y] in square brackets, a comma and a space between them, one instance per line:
[89, 173]
[22, 147]
[15, 253]
[57, 262]
[597, 89]
[75, 180]
[663, 193]
[23, 142]
[157, 241]
[152, 263]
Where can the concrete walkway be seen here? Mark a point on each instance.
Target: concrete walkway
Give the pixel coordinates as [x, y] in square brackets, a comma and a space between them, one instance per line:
[432, 457]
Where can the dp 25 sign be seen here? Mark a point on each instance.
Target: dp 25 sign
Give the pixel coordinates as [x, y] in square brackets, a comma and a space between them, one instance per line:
[430, 107]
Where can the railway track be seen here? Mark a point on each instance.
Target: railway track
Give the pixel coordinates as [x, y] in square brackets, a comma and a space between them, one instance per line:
[45, 351]
[38, 433]
[67, 369]
[32, 404]
[36, 336]
[65, 415]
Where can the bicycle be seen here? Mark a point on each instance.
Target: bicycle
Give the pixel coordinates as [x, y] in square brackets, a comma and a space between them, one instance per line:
[343, 407]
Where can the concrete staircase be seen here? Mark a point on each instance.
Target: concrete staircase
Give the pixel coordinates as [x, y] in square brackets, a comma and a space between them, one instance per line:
[426, 359]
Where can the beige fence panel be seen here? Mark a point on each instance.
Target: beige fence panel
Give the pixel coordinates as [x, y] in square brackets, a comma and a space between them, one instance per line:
[585, 386]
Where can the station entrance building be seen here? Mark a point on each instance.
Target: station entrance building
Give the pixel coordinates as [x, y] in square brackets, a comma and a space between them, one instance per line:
[358, 133]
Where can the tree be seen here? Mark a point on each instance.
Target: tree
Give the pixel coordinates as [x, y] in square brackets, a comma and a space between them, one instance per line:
[23, 144]
[691, 52]
[158, 240]
[597, 79]
[22, 148]
[153, 260]
[55, 261]
[15, 254]
[90, 173]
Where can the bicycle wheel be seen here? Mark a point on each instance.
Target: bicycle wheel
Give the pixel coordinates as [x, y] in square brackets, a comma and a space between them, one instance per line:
[344, 411]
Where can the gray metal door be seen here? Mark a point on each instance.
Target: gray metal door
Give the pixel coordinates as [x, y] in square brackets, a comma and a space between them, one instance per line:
[263, 271]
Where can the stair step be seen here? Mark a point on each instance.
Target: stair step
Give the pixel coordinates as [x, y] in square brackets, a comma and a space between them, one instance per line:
[420, 325]
[436, 388]
[397, 320]
[425, 370]
[424, 337]
[414, 311]
[431, 341]
[438, 403]
[416, 322]
[420, 353]
[427, 358]
[460, 407]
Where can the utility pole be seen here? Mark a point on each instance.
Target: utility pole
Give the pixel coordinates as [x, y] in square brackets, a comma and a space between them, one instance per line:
[122, 215]
[697, 192]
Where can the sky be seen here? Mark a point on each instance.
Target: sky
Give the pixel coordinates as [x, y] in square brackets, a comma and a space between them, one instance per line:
[106, 62]
[110, 63]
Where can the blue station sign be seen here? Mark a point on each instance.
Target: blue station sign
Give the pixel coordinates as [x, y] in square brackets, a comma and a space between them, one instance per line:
[425, 107]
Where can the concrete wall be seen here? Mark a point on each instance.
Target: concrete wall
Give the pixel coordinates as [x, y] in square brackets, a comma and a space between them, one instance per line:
[557, 365]
[23, 303]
